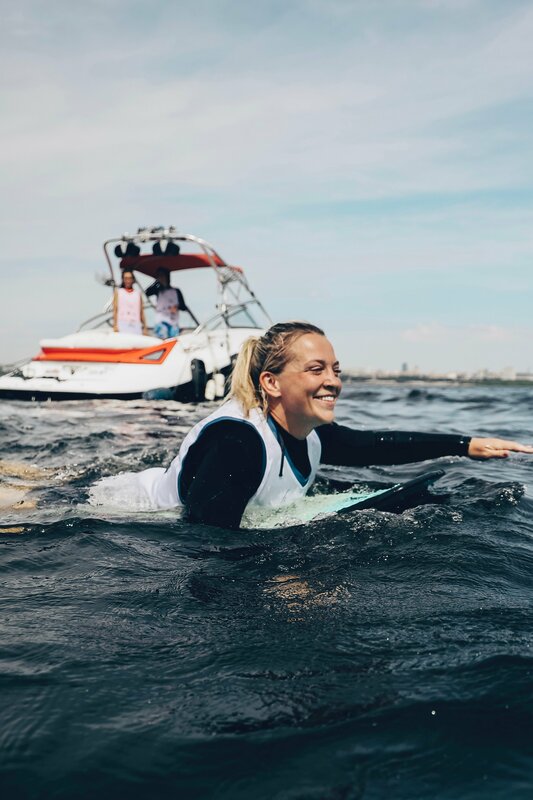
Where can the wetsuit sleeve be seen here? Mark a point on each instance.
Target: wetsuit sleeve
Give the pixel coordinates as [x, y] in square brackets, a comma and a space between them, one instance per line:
[228, 469]
[344, 446]
[181, 301]
[152, 289]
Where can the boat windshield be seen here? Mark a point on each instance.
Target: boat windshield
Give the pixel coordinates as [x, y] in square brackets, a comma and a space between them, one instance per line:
[246, 315]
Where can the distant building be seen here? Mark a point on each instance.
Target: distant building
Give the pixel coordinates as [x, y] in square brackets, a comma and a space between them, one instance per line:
[508, 374]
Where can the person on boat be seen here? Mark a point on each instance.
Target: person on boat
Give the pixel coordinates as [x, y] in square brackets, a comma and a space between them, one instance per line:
[264, 445]
[128, 312]
[170, 302]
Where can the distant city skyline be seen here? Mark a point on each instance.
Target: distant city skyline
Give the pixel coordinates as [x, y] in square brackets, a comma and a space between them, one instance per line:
[368, 164]
[509, 374]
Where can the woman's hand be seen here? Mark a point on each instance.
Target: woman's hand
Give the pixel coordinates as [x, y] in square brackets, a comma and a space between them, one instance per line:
[495, 448]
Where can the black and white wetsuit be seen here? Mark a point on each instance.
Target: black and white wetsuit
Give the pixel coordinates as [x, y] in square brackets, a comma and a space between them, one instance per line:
[227, 462]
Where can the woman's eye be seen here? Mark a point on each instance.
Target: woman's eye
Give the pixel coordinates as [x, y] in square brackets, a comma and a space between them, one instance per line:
[318, 370]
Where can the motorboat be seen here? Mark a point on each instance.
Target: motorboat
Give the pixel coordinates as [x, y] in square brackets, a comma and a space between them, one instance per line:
[98, 362]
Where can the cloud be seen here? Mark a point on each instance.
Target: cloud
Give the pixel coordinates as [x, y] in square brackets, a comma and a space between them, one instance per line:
[349, 122]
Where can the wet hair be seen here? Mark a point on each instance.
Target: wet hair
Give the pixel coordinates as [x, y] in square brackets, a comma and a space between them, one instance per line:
[123, 273]
[268, 353]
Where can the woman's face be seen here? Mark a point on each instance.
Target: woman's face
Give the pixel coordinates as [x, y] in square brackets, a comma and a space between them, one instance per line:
[307, 389]
[127, 280]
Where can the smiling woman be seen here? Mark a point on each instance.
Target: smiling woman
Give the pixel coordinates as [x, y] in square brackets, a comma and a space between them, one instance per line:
[291, 373]
[263, 447]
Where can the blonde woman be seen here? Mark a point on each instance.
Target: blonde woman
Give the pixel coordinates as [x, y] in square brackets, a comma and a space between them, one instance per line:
[264, 445]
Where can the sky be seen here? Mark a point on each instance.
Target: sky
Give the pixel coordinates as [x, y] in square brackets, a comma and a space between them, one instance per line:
[369, 163]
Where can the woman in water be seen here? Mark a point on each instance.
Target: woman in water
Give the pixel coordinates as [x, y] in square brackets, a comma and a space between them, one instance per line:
[264, 445]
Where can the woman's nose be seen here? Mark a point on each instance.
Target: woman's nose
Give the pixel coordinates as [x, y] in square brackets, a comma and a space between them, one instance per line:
[333, 377]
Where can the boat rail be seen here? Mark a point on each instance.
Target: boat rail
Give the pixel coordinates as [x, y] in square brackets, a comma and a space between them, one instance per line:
[103, 316]
[223, 315]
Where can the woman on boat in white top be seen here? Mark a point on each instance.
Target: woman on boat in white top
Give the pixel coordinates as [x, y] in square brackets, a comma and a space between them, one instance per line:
[128, 312]
[263, 446]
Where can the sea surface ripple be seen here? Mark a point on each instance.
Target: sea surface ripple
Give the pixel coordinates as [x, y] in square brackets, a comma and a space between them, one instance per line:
[368, 656]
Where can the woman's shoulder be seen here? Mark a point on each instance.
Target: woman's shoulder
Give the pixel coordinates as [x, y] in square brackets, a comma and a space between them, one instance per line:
[230, 441]
[229, 427]
[232, 409]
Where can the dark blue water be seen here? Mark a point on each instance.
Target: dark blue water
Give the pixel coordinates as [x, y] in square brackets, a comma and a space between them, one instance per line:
[373, 656]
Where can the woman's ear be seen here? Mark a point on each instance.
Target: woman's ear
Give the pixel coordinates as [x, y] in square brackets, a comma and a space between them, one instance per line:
[270, 384]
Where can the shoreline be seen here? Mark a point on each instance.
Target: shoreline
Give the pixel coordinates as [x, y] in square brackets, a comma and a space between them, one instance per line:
[412, 380]
[385, 379]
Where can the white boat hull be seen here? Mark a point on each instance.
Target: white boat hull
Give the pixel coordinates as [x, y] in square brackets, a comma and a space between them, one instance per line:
[100, 364]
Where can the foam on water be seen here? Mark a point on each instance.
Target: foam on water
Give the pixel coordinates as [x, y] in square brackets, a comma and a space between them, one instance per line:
[120, 493]
[306, 509]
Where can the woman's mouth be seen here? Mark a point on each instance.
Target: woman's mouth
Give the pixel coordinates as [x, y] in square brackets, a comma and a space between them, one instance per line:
[326, 399]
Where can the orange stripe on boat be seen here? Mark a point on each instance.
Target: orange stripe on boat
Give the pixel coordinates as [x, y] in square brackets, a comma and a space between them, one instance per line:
[147, 355]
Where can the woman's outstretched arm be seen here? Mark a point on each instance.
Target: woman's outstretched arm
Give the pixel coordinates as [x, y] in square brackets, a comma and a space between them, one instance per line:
[348, 447]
